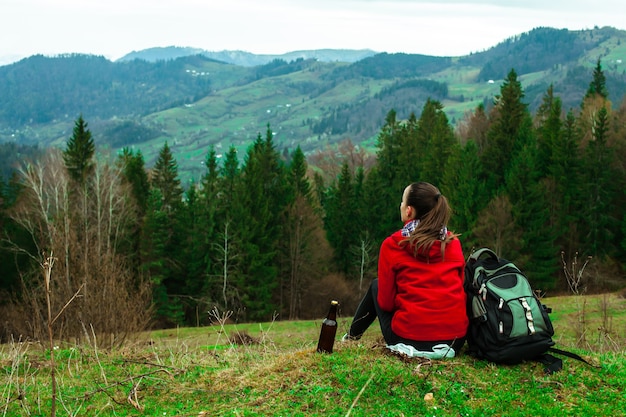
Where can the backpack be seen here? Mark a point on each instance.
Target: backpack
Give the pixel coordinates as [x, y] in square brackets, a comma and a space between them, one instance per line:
[508, 324]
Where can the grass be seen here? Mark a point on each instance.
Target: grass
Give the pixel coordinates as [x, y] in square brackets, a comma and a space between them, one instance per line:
[199, 372]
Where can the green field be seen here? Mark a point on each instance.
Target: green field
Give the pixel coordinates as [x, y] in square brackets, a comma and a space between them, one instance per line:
[207, 372]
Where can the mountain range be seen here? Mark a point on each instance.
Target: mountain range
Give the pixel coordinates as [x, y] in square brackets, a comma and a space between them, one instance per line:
[247, 59]
[193, 99]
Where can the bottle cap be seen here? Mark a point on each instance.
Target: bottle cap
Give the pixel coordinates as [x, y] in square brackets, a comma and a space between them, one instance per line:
[334, 302]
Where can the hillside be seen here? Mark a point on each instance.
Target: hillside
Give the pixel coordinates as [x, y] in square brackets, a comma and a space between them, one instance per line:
[271, 369]
[191, 100]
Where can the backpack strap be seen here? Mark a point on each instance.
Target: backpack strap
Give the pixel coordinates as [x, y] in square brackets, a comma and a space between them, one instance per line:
[552, 363]
[573, 356]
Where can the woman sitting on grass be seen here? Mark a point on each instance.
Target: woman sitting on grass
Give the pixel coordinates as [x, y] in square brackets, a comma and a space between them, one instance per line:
[418, 297]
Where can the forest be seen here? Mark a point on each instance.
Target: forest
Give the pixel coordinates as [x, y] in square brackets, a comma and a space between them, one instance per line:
[273, 235]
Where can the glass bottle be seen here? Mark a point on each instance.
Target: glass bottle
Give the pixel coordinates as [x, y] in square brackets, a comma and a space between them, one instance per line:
[328, 330]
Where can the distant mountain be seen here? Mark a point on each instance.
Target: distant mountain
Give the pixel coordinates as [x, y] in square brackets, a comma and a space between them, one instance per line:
[194, 100]
[247, 59]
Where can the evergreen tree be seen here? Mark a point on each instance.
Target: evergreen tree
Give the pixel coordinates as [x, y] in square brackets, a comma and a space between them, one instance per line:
[566, 171]
[465, 191]
[538, 256]
[165, 178]
[135, 176]
[162, 252]
[364, 252]
[557, 162]
[211, 176]
[225, 246]
[79, 152]
[508, 132]
[11, 261]
[412, 143]
[340, 224]
[229, 174]
[208, 224]
[156, 261]
[298, 175]
[385, 182]
[134, 171]
[599, 180]
[548, 119]
[301, 223]
[619, 145]
[262, 201]
[78, 158]
[437, 143]
[597, 87]
[192, 255]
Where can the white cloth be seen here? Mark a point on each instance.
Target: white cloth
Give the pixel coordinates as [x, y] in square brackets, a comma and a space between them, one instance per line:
[439, 351]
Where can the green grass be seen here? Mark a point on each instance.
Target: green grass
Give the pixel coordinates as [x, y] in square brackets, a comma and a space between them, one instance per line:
[198, 372]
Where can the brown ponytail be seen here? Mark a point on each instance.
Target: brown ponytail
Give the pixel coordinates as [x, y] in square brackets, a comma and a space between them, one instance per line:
[433, 212]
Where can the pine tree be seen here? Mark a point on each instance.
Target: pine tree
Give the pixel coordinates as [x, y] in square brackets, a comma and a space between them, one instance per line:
[599, 182]
[339, 223]
[548, 119]
[436, 143]
[192, 255]
[78, 158]
[363, 252]
[134, 174]
[597, 87]
[230, 175]
[12, 262]
[384, 183]
[79, 152]
[262, 202]
[165, 178]
[301, 223]
[209, 200]
[156, 261]
[134, 171]
[163, 251]
[508, 133]
[538, 254]
[465, 191]
[410, 143]
[225, 245]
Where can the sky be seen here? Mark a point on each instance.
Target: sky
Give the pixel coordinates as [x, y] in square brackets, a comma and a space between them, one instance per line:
[113, 28]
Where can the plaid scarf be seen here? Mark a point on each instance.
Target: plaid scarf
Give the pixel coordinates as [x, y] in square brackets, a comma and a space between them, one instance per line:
[412, 225]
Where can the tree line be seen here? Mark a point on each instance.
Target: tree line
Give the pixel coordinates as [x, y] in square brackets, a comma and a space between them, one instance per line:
[271, 235]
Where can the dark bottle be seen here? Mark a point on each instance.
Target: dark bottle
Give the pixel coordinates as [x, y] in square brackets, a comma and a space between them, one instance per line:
[329, 330]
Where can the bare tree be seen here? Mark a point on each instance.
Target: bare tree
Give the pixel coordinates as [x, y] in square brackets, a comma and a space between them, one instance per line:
[363, 257]
[226, 258]
[117, 302]
[574, 273]
[495, 227]
[331, 158]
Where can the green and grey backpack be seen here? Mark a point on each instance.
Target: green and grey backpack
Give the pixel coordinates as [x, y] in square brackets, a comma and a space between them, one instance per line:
[508, 322]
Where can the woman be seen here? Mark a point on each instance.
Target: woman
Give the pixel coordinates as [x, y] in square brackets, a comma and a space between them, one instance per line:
[418, 297]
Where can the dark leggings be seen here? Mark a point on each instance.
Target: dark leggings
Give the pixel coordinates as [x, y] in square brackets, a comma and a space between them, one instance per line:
[368, 310]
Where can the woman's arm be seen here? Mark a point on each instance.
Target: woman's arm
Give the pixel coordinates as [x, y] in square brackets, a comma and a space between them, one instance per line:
[386, 275]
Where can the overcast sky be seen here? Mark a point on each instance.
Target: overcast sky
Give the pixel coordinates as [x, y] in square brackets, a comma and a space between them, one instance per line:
[113, 28]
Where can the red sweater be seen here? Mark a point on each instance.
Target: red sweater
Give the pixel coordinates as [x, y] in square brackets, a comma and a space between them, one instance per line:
[425, 293]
